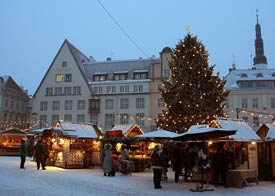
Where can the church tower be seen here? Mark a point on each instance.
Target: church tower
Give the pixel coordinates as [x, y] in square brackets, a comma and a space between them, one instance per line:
[260, 61]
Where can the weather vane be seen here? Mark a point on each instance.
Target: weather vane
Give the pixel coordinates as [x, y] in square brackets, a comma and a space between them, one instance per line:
[188, 28]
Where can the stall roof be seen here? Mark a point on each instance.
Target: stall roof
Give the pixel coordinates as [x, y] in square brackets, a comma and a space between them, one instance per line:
[204, 132]
[13, 131]
[79, 130]
[158, 134]
[128, 129]
[244, 131]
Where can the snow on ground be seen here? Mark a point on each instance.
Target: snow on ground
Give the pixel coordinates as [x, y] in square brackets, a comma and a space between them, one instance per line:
[80, 182]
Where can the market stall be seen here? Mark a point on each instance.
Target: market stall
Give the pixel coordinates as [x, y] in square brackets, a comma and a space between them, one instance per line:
[77, 146]
[266, 151]
[125, 134]
[10, 140]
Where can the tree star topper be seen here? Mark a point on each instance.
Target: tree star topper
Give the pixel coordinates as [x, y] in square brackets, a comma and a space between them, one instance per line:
[188, 28]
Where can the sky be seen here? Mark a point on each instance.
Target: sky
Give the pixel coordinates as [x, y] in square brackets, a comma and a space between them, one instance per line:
[32, 31]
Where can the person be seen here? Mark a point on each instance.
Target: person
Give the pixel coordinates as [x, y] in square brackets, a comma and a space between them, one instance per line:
[40, 155]
[107, 160]
[166, 156]
[220, 165]
[22, 153]
[126, 166]
[177, 161]
[158, 164]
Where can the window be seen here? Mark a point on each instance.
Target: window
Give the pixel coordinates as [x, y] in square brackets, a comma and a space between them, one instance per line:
[6, 103]
[140, 103]
[94, 119]
[160, 103]
[98, 90]
[255, 121]
[159, 87]
[64, 63]
[23, 108]
[59, 78]
[244, 103]
[17, 105]
[76, 90]
[259, 75]
[272, 102]
[124, 103]
[67, 90]
[49, 91]
[56, 105]
[58, 91]
[141, 76]
[124, 119]
[124, 89]
[55, 119]
[68, 77]
[255, 103]
[166, 73]
[80, 118]
[243, 75]
[245, 118]
[140, 119]
[81, 104]
[109, 104]
[100, 77]
[43, 118]
[68, 117]
[138, 88]
[68, 105]
[111, 89]
[43, 105]
[120, 76]
[109, 120]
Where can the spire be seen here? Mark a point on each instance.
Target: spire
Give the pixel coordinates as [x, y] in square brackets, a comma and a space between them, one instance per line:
[260, 61]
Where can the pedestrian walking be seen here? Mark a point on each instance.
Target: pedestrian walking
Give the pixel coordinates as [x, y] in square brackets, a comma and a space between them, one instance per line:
[107, 160]
[22, 154]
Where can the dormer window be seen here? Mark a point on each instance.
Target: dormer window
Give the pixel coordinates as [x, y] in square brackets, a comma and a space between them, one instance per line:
[244, 75]
[141, 74]
[100, 77]
[273, 74]
[120, 76]
[259, 75]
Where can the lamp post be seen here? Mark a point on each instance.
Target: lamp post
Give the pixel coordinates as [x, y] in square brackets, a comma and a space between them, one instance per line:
[237, 113]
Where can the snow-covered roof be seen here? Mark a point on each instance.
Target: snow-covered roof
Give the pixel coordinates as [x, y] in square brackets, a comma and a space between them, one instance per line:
[79, 130]
[244, 131]
[159, 134]
[125, 128]
[237, 75]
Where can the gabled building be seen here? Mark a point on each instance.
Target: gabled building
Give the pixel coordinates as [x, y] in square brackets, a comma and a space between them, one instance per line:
[14, 105]
[64, 92]
[76, 88]
[252, 91]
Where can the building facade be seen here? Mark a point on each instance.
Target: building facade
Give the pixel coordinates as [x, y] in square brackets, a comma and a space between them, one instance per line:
[252, 91]
[80, 89]
[14, 105]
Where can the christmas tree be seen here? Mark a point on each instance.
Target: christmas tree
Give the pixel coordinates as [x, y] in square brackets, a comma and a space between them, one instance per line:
[192, 94]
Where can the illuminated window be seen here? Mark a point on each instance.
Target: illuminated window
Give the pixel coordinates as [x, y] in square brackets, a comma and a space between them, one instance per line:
[59, 78]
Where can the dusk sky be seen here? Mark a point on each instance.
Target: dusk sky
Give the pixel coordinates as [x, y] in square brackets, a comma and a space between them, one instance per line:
[32, 31]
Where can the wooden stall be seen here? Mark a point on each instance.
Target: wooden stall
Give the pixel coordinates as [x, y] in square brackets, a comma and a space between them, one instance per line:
[125, 134]
[266, 151]
[10, 140]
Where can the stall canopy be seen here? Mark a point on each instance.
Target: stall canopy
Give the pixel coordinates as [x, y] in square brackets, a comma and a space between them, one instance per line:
[203, 132]
[267, 131]
[243, 131]
[158, 134]
[127, 130]
[79, 130]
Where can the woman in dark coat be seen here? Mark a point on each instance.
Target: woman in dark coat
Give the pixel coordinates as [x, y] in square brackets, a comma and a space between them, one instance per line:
[40, 155]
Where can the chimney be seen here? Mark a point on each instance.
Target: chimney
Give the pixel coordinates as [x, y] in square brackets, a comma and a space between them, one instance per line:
[109, 59]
